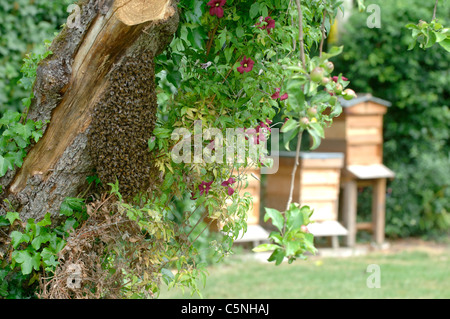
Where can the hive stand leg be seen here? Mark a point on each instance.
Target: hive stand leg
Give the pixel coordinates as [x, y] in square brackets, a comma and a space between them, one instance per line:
[335, 242]
[379, 210]
[349, 211]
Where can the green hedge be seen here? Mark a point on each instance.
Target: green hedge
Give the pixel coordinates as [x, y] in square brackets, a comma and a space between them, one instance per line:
[416, 127]
[23, 25]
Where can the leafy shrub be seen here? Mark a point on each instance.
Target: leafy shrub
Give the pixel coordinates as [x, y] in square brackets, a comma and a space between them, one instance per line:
[416, 131]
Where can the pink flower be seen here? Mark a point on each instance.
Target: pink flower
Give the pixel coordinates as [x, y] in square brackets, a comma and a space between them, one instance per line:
[284, 97]
[246, 65]
[215, 7]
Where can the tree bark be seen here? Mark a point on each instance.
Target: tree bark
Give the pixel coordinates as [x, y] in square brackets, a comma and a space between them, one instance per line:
[97, 91]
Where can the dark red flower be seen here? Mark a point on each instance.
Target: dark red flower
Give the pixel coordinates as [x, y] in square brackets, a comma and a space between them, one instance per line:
[277, 95]
[270, 24]
[204, 187]
[215, 7]
[246, 65]
[227, 183]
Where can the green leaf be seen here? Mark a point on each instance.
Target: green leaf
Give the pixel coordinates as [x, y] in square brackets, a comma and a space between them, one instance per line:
[277, 256]
[49, 258]
[240, 32]
[4, 222]
[27, 261]
[151, 143]
[46, 221]
[296, 96]
[162, 133]
[276, 237]
[445, 44]
[17, 238]
[65, 209]
[291, 247]
[175, 78]
[439, 36]
[332, 53]
[12, 216]
[196, 37]
[168, 181]
[5, 164]
[315, 138]
[254, 10]
[290, 125]
[276, 216]
[318, 128]
[9, 117]
[39, 240]
[294, 218]
[265, 247]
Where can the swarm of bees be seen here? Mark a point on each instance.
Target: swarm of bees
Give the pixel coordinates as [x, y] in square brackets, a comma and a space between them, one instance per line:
[123, 121]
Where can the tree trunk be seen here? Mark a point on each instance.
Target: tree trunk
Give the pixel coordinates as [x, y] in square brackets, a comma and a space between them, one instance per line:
[97, 91]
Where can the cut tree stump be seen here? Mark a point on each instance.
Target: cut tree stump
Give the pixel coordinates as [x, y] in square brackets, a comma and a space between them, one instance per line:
[97, 91]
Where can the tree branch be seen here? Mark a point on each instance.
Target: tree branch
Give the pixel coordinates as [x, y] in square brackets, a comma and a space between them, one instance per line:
[294, 169]
[434, 11]
[300, 34]
[323, 33]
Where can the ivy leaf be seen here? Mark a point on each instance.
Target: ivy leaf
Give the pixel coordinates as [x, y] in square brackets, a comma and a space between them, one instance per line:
[5, 164]
[27, 261]
[46, 221]
[12, 216]
[174, 78]
[17, 238]
[49, 258]
[41, 239]
[9, 117]
[275, 215]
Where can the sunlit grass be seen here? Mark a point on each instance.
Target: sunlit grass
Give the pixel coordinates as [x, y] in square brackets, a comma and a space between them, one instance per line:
[407, 274]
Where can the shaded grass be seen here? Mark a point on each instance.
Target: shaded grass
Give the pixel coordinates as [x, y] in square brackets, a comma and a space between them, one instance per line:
[407, 274]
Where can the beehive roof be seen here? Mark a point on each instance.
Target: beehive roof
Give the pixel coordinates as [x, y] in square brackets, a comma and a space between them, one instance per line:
[363, 97]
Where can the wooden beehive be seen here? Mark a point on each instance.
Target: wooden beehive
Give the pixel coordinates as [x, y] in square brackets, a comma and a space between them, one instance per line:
[358, 131]
[316, 183]
[254, 188]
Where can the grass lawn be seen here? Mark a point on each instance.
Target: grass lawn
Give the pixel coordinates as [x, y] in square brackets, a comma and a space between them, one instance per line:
[412, 273]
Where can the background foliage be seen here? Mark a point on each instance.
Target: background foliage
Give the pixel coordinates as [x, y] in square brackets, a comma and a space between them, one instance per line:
[23, 24]
[416, 127]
